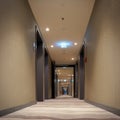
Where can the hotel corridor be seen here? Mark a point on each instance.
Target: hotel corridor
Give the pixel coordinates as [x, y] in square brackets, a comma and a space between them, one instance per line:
[62, 108]
[59, 59]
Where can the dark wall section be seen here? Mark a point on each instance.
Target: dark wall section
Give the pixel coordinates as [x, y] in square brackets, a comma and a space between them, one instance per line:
[53, 79]
[76, 81]
[39, 69]
[55, 83]
[82, 73]
[46, 75]
[44, 71]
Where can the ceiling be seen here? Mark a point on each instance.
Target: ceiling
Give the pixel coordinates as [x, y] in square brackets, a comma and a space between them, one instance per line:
[67, 21]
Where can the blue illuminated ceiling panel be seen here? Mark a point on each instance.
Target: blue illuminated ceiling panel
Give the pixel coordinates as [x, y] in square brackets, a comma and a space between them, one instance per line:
[64, 44]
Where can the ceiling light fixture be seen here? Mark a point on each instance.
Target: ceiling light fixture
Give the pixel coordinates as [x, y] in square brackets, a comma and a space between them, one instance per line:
[59, 80]
[75, 43]
[63, 44]
[73, 58]
[65, 80]
[51, 46]
[47, 29]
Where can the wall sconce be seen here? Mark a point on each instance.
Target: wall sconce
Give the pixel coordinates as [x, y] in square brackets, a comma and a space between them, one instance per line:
[34, 45]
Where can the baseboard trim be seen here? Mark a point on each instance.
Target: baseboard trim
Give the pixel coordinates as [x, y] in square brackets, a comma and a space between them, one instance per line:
[110, 109]
[10, 110]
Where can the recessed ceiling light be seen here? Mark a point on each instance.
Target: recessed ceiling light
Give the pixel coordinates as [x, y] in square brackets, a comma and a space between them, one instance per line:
[51, 46]
[75, 43]
[47, 29]
[73, 58]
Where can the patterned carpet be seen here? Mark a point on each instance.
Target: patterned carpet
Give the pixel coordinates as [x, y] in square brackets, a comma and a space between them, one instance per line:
[62, 108]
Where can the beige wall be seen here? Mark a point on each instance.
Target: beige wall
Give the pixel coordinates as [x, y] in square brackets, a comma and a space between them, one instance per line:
[17, 58]
[103, 52]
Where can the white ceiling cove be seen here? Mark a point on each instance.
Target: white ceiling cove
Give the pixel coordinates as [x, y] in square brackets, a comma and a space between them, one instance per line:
[67, 20]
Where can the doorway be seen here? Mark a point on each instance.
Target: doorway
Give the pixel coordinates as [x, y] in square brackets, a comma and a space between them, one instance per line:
[39, 68]
[64, 81]
[82, 73]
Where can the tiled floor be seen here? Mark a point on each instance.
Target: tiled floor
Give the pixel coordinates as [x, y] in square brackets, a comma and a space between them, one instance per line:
[62, 108]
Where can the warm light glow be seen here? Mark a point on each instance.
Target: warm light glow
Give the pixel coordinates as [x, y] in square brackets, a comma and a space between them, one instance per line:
[65, 80]
[73, 58]
[51, 46]
[58, 80]
[47, 29]
[75, 43]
